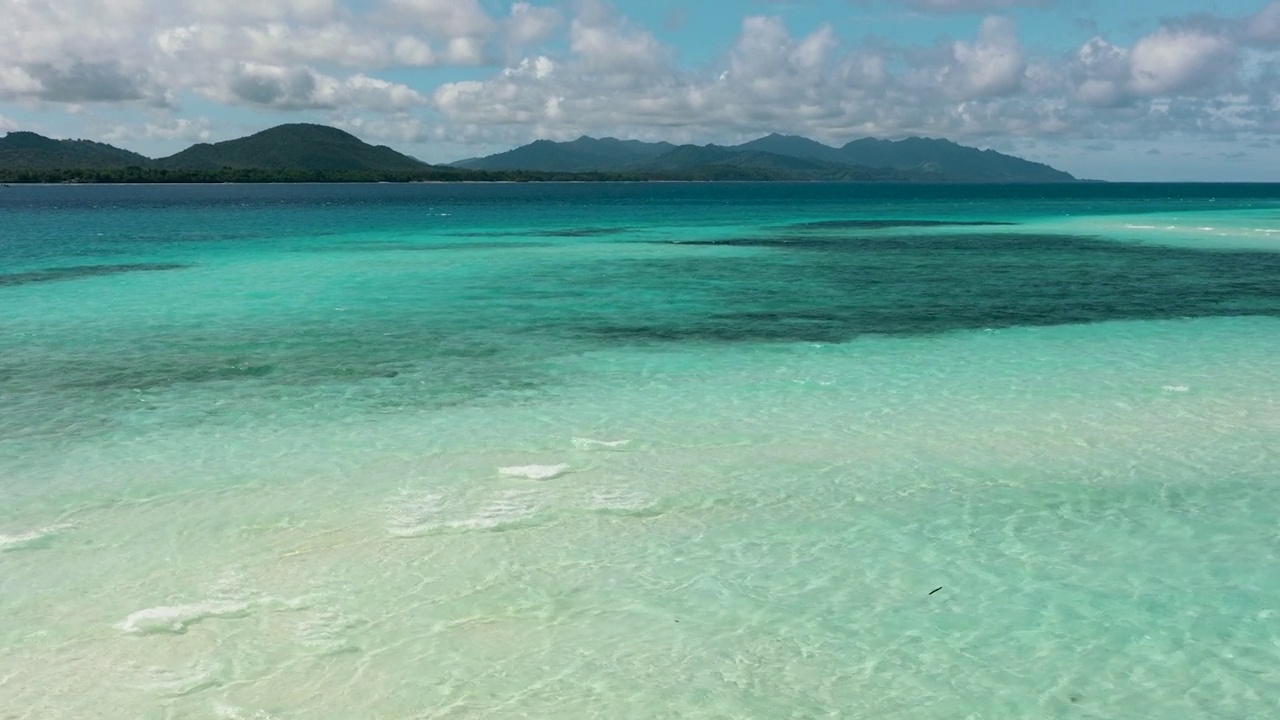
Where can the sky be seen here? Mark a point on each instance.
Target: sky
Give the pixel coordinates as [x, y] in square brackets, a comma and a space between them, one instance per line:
[1106, 89]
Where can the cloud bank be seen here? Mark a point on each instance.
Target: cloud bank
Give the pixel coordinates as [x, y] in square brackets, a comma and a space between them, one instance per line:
[386, 68]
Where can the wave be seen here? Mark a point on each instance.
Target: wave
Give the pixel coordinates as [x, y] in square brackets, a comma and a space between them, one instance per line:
[223, 711]
[27, 539]
[535, 472]
[624, 503]
[327, 632]
[431, 513]
[174, 619]
[589, 444]
[194, 679]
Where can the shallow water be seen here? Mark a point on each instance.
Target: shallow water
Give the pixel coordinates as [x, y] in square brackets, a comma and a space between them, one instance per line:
[638, 451]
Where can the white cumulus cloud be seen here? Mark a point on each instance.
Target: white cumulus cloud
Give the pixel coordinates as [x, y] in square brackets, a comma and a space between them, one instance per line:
[147, 52]
[608, 44]
[187, 129]
[1168, 62]
[299, 88]
[529, 24]
[619, 79]
[564, 68]
[1175, 61]
[959, 6]
[994, 64]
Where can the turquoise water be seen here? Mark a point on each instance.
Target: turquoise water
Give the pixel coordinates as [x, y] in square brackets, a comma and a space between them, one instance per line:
[653, 450]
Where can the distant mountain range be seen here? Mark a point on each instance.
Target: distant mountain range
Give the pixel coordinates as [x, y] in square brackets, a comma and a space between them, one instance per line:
[285, 147]
[779, 156]
[306, 152]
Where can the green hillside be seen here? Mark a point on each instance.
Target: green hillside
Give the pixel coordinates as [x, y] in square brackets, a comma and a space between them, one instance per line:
[317, 153]
[585, 154]
[793, 146]
[29, 151]
[778, 157]
[293, 147]
[950, 159]
[713, 162]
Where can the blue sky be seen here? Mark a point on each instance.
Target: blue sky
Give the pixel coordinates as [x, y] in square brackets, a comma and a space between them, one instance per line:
[1102, 88]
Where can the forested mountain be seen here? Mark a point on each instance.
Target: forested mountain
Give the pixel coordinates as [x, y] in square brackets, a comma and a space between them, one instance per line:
[27, 150]
[781, 157]
[292, 147]
[317, 153]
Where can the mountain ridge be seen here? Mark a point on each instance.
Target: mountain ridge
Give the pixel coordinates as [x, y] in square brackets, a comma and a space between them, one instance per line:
[586, 154]
[284, 147]
[913, 158]
[305, 152]
[27, 150]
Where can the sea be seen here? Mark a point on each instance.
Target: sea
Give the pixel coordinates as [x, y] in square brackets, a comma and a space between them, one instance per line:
[650, 450]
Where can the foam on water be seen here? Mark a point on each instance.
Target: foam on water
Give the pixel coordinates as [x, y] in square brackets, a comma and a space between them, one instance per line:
[225, 711]
[505, 509]
[621, 501]
[328, 632]
[228, 600]
[590, 444]
[176, 618]
[195, 678]
[18, 541]
[1233, 229]
[535, 472]
[415, 515]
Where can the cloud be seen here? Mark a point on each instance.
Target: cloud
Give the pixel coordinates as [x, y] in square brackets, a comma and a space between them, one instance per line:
[561, 69]
[969, 6]
[462, 26]
[187, 129]
[1184, 77]
[1102, 73]
[618, 76]
[1176, 61]
[83, 83]
[1264, 27]
[608, 44]
[7, 125]
[450, 18]
[994, 64]
[77, 83]
[1167, 63]
[16, 82]
[767, 65]
[302, 88]
[280, 43]
[398, 129]
[281, 54]
[274, 86]
[529, 24]
[263, 10]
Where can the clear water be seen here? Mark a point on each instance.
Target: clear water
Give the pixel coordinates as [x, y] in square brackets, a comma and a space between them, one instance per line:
[695, 451]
